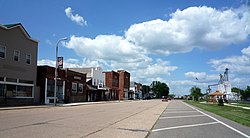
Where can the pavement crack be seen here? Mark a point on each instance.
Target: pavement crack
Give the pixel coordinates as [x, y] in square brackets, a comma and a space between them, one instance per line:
[133, 130]
[33, 124]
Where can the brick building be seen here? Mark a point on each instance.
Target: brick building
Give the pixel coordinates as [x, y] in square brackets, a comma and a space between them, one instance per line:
[124, 84]
[71, 85]
[112, 84]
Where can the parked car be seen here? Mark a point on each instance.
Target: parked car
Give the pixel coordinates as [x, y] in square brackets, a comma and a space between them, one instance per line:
[164, 98]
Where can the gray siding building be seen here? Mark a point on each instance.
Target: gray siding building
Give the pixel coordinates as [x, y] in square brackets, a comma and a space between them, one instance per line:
[18, 65]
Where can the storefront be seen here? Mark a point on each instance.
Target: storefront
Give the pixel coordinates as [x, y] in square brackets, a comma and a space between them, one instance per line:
[46, 82]
[70, 85]
[75, 86]
[16, 91]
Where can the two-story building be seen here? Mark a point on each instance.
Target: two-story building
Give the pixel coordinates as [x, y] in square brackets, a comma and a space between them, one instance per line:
[118, 84]
[18, 65]
[112, 84]
[124, 84]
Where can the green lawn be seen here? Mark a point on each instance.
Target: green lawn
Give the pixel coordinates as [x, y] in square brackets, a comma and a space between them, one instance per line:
[236, 114]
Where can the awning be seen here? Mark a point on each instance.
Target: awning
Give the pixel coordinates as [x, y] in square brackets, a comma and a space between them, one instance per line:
[216, 93]
[91, 88]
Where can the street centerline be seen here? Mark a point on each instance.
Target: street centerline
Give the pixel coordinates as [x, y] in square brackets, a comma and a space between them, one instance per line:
[184, 126]
[180, 116]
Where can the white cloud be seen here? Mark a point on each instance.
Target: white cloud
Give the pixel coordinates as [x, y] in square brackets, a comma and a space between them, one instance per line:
[49, 42]
[196, 75]
[202, 77]
[107, 47]
[71, 63]
[246, 51]
[75, 18]
[239, 68]
[236, 64]
[194, 27]
[182, 87]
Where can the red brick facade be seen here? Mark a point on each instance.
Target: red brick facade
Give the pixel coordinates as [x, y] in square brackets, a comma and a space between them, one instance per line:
[47, 73]
[124, 82]
[112, 82]
[118, 83]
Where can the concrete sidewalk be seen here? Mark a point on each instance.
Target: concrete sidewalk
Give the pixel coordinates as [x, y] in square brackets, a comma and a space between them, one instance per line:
[237, 106]
[59, 105]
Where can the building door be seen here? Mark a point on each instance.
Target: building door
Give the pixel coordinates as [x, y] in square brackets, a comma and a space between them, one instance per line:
[60, 91]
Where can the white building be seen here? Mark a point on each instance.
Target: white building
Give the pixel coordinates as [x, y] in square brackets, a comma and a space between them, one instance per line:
[135, 89]
[94, 74]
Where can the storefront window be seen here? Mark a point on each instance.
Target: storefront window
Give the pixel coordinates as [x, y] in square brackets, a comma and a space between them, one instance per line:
[50, 88]
[74, 87]
[80, 88]
[11, 90]
[24, 91]
[2, 86]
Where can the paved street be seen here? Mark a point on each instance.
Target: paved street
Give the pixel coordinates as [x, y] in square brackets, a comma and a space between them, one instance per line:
[124, 119]
[181, 120]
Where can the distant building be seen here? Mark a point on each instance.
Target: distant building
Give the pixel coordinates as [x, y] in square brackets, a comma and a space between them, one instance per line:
[18, 65]
[136, 90]
[124, 84]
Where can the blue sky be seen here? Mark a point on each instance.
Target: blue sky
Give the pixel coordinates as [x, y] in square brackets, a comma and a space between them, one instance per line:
[170, 41]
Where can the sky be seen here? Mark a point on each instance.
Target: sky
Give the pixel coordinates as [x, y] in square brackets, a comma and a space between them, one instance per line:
[181, 43]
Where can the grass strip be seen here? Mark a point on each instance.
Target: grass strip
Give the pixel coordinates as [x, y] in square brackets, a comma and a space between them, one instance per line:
[236, 114]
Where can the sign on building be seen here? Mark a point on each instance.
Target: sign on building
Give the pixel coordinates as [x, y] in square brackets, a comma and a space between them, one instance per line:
[60, 62]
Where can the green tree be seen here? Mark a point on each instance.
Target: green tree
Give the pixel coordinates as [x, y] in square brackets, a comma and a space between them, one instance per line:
[246, 93]
[160, 89]
[145, 90]
[238, 91]
[196, 92]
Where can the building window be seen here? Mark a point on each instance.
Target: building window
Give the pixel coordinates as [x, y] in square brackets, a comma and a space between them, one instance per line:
[2, 90]
[16, 55]
[74, 87]
[24, 91]
[28, 58]
[2, 51]
[18, 91]
[11, 90]
[50, 88]
[80, 88]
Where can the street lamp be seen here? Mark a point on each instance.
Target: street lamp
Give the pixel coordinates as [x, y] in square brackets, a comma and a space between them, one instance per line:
[62, 39]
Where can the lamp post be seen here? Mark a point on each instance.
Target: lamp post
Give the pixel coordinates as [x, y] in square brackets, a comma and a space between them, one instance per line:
[62, 39]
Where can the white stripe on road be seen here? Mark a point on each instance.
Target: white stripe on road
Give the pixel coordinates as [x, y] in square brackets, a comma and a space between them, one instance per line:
[179, 112]
[194, 125]
[180, 116]
[243, 134]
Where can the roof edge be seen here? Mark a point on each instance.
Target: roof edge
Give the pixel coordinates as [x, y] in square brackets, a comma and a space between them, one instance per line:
[11, 26]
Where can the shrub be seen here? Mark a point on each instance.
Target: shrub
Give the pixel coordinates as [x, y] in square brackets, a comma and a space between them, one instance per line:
[220, 102]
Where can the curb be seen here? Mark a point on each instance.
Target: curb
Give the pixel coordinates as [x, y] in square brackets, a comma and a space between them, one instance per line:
[61, 105]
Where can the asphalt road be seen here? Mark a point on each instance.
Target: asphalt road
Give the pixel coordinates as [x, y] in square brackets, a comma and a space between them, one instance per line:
[122, 119]
[180, 120]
